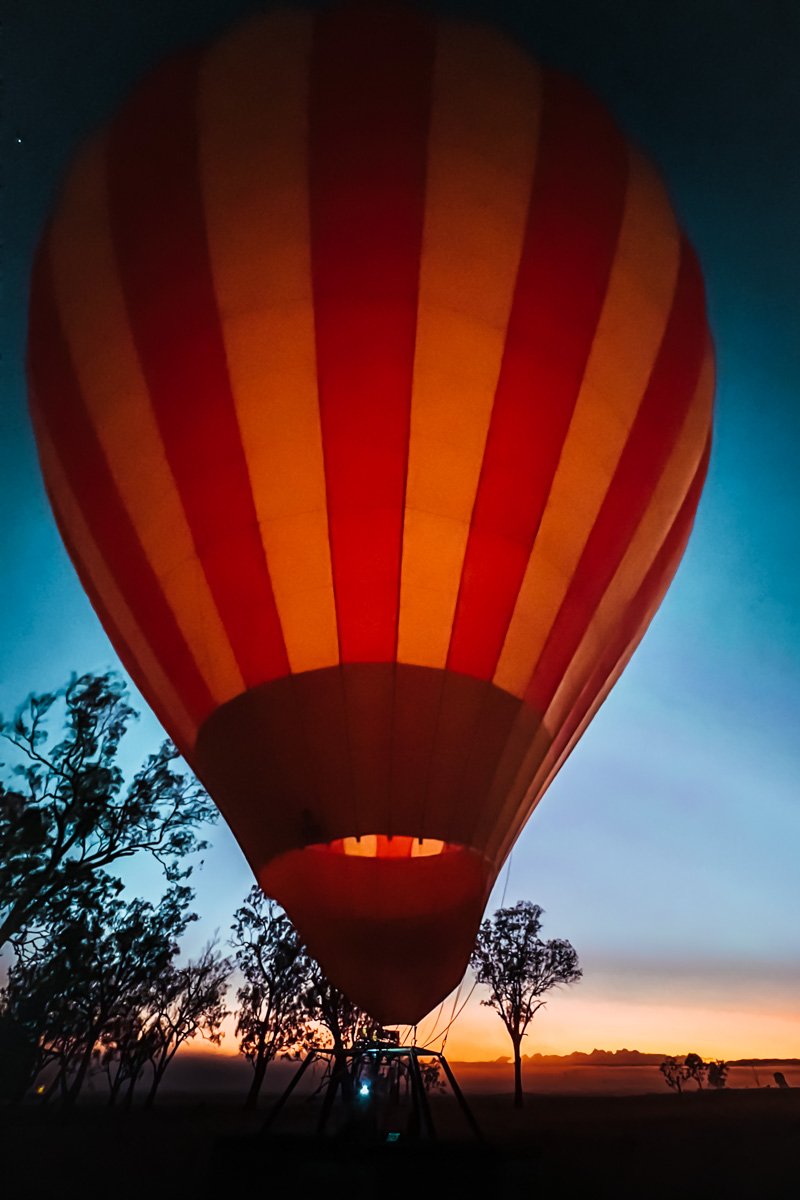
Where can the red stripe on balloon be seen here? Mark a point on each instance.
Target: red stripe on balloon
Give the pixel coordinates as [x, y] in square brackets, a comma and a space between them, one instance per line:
[159, 234]
[570, 242]
[59, 405]
[650, 443]
[369, 116]
[650, 591]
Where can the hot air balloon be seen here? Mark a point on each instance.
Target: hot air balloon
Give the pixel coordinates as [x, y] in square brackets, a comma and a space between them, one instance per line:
[372, 385]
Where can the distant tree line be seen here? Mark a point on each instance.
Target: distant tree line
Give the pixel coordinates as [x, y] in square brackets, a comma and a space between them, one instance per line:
[96, 984]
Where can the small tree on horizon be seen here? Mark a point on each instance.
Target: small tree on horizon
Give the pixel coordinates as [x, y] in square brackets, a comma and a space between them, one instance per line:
[519, 969]
[717, 1073]
[695, 1069]
[674, 1073]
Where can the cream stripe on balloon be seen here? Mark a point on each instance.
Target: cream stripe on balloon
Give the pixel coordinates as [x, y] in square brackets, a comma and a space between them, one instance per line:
[481, 155]
[118, 404]
[629, 332]
[253, 131]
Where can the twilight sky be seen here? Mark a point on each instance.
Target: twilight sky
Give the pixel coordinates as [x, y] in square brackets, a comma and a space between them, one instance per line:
[668, 849]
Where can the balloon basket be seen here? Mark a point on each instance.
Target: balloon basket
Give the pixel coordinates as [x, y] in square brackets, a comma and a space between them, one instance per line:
[377, 1093]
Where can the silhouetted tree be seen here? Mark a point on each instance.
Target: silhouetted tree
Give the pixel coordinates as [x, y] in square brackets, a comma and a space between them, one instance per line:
[342, 1022]
[271, 1018]
[717, 1073]
[126, 1047]
[431, 1075]
[695, 1068]
[189, 1002]
[674, 1073]
[19, 1057]
[65, 811]
[91, 967]
[330, 1008]
[519, 968]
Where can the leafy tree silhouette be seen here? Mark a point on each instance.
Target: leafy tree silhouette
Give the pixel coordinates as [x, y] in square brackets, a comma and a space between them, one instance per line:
[717, 1073]
[340, 1018]
[341, 1022]
[272, 1018]
[65, 810]
[89, 970]
[695, 1069]
[674, 1073]
[519, 969]
[186, 1002]
[124, 1050]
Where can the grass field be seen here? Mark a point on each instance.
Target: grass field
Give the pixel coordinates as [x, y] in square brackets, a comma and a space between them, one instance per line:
[739, 1142]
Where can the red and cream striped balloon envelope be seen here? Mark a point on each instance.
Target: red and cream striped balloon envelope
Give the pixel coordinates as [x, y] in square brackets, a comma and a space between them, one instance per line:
[372, 386]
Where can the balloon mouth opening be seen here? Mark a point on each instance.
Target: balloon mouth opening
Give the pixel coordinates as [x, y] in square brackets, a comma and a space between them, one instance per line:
[385, 846]
[392, 930]
[377, 875]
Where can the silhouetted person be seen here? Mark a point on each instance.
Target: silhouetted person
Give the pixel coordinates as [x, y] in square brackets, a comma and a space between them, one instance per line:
[311, 830]
[780, 1079]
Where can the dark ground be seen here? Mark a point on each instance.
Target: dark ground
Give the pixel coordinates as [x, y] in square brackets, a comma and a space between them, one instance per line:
[712, 1144]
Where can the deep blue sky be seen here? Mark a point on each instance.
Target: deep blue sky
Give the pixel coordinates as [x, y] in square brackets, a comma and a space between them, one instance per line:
[668, 849]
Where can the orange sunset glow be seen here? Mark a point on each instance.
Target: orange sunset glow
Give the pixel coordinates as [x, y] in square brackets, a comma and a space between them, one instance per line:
[585, 1022]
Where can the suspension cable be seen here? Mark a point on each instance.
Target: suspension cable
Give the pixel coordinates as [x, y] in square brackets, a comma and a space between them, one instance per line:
[508, 876]
[455, 1016]
[429, 1036]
